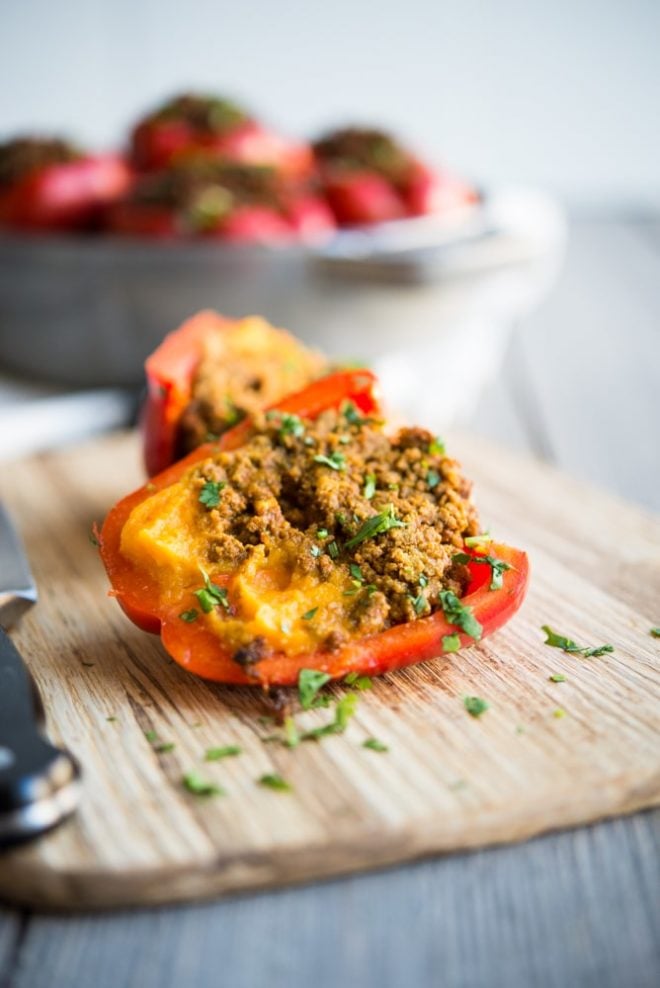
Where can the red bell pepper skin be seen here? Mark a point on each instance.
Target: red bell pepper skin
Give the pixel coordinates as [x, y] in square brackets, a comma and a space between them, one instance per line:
[170, 371]
[199, 651]
[361, 197]
[65, 196]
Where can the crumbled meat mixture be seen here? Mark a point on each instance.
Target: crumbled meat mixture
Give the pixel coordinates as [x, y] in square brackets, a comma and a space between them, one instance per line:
[391, 511]
[373, 150]
[23, 155]
[207, 114]
[243, 370]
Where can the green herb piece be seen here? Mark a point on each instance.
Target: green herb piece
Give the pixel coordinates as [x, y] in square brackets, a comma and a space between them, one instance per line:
[451, 643]
[199, 786]
[437, 447]
[423, 581]
[568, 645]
[151, 736]
[520, 729]
[316, 551]
[351, 677]
[88, 665]
[376, 525]
[432, 479]
[165, 747]
[475, 541]
[310, 681]
[226, 751]
[111, 720]
[373, 744]
[291, 425]
[475, 706]
[420, 603]
[369, 486]
[356, 572]
[654, 632]
[344, 710]
[360, 682]
[459, 615]
[333, 549]
[274, 781]
[308, 615]
[559, 713]
[457, 785]
[351, 414]
[211, 596]
[189, 616]
[336, 460]
[557, 677]
[291, 736]
[209, 495]
[497, 567]
[322, 533]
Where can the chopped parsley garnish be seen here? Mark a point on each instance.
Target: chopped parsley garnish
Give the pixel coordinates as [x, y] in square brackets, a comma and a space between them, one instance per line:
[316, 551]
[459, 615]
[111, 720]
[654, 632]
[369, 486]
[437, 447]
[209, 495]
[558, 713]
[358, 681]
[373, 744]
[151, 736]
[497, 567]
[164, 747]
[568, 645]
[291, 736]
[226, 751]
[420, 603]
[557, 677]
[336, 460]
[376, 525]
[475, 705]
[475, 541]
[356, 572]
[333, 549]
[291, 425]
[451, 643]
[189, 616]
[322, 533]
[344, 710]
[308, 615]
[273, 781]
[351, 414]
[211, 596]
[310, 681]
[432, 479]
[199, 786]
[423, 581]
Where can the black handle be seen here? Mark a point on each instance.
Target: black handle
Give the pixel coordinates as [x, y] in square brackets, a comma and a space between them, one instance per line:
[38, 782]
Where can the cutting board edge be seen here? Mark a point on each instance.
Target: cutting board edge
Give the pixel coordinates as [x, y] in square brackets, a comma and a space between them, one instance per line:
[69, 891]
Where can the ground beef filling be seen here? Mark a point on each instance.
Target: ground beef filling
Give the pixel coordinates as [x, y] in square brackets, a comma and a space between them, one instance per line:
[338, 493]
[243, 370]
[24, 155]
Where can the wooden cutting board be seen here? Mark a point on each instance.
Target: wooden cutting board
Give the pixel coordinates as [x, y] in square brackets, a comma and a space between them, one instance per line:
[449, 781]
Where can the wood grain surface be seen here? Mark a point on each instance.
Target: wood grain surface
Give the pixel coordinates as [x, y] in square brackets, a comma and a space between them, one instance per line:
[449, 781]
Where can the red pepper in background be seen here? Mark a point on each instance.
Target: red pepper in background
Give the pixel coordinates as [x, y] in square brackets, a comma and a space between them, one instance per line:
[200, 652]
[47, 185]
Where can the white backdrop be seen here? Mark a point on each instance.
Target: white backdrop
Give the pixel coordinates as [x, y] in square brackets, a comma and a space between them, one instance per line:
[561, 93]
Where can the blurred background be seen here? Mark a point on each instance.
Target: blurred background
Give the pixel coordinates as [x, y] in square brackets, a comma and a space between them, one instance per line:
[554, 105]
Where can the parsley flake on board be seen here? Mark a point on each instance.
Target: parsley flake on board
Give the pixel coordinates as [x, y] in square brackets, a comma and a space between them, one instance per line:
[274, 781]
[226, 751]
[475, 706]
[437, 447]
[336, 460]
[211, 595]
[559, 713]
[373, 744]
[310, 681]
[557, 677]
[209, 495]
[568, 645]
[497, 566]
[459, 615]
[344, 710]
[358, 681]
[199, 786]
[376, 525]
[654, 632]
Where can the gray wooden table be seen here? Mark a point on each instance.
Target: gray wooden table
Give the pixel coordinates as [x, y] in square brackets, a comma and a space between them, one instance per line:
[580, 387]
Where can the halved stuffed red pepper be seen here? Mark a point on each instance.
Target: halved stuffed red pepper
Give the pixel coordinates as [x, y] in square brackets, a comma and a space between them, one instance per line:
[210, 373]
[310, 538]
[47, 184]
[193, 123]
[370, 177]
[205, 197]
